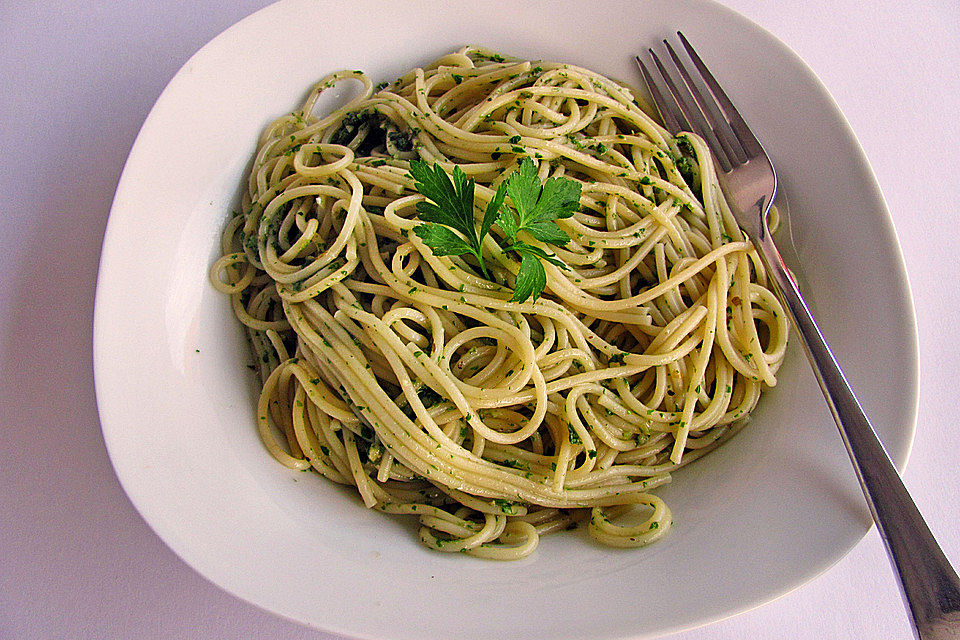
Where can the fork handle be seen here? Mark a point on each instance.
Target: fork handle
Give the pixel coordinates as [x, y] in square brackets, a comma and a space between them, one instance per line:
[928, 583]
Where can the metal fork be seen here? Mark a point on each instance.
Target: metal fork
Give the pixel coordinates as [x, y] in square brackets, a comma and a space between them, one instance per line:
[695, 102]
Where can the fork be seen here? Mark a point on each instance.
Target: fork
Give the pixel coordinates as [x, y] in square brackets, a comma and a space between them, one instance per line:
[695, 102]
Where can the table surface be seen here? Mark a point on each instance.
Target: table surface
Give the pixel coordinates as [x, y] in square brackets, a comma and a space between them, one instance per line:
[76, 82]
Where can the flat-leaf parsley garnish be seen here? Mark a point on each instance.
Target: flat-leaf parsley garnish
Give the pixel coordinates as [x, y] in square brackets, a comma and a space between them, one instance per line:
[535, 207]
[451, 228]
[450, 207]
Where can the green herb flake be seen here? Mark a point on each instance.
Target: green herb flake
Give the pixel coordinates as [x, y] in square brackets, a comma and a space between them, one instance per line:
[505, 506]
[617, 358]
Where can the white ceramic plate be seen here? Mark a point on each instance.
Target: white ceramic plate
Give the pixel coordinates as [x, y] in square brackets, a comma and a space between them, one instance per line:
[759, 517]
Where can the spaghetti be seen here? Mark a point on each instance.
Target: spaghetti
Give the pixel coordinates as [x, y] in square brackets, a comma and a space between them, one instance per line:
[415, 378]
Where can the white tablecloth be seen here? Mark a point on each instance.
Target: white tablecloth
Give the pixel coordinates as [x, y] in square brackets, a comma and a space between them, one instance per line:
[76, 82]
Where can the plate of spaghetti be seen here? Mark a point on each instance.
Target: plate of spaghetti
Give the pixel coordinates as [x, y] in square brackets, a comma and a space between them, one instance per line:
[450, 337]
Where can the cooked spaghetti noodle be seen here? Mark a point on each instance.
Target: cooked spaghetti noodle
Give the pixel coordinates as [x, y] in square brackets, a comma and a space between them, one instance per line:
[414, 378]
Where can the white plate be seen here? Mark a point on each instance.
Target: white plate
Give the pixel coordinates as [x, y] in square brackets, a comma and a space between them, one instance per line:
[759, 517]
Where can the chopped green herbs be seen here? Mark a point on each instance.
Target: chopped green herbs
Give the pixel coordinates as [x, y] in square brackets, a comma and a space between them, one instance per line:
[617, 358]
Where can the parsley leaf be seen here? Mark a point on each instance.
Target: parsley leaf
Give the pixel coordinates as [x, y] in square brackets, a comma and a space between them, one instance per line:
[449, 208]
[533, 202]
[493, 210]
[443, 240]
[451, 227]
[531, 278]
[508, 223]
[535, 207]
[548, 232]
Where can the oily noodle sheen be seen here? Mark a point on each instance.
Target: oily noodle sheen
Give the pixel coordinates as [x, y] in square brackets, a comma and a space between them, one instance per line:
[416, 380]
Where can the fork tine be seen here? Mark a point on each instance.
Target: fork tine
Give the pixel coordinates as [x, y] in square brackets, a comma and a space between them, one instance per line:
[750, 143]
[692, 112]
[715, 118]
[672, 118]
